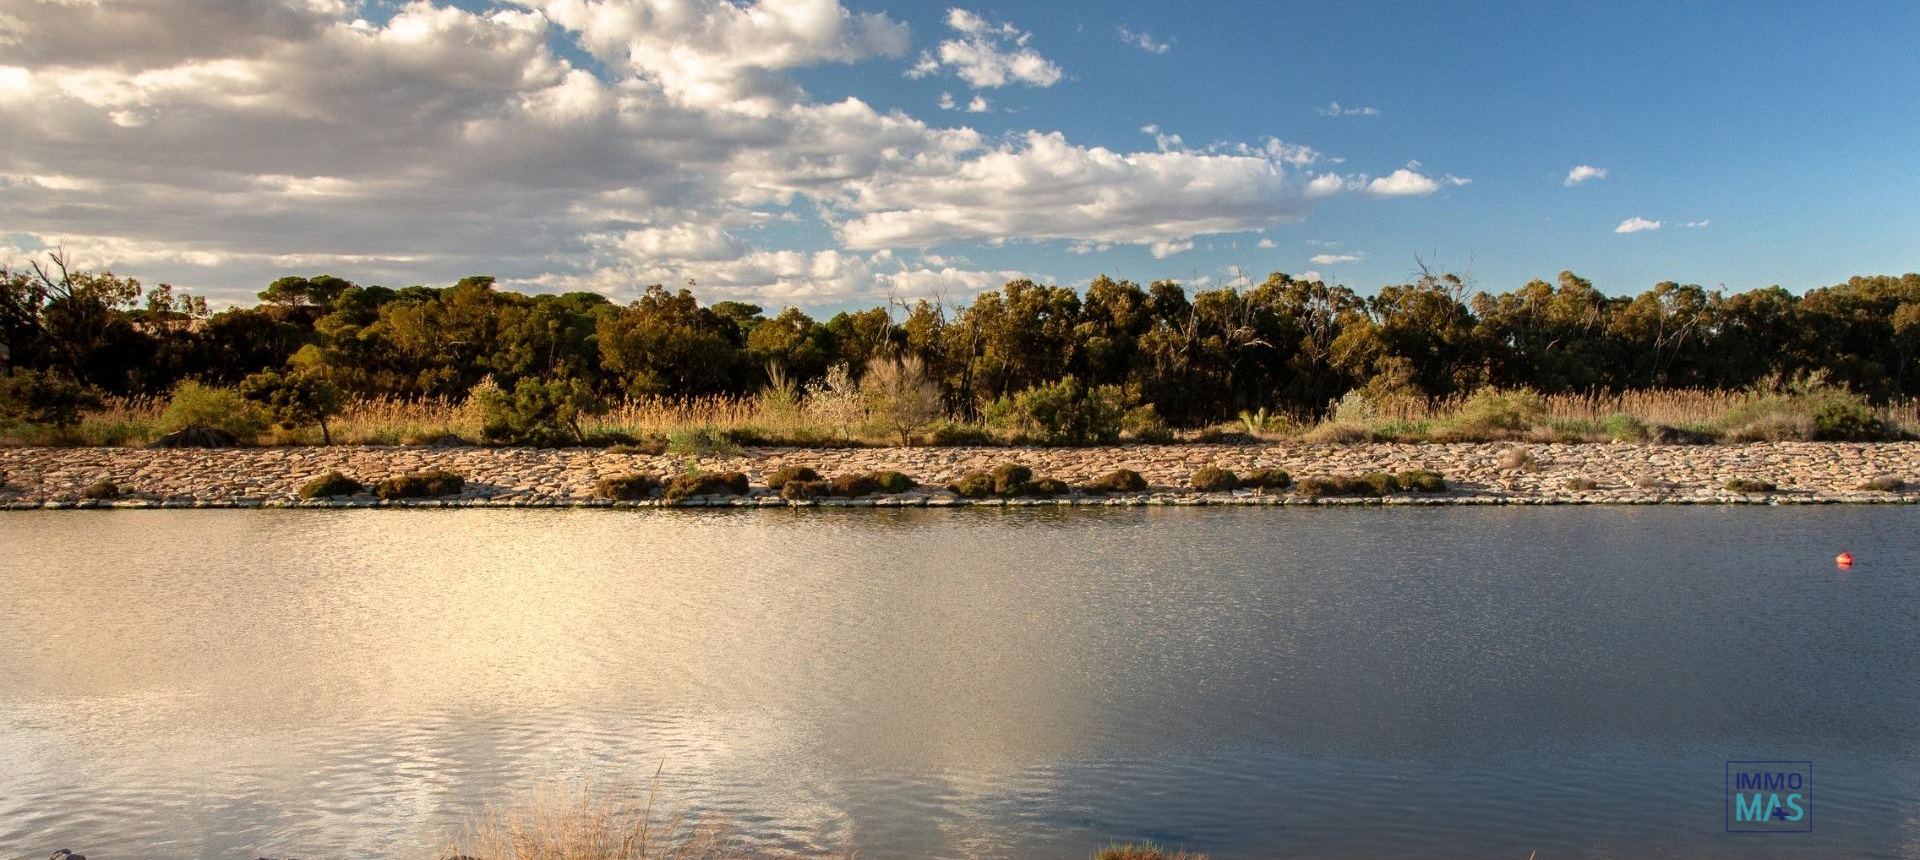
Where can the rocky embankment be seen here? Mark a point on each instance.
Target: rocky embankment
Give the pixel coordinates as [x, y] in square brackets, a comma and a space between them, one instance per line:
[1804, 472]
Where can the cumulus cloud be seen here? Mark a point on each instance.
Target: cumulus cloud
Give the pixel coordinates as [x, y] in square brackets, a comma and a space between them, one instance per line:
[1336, 109]
[987, 55]
[1334, 259]
[1410, 182]
[1043, 187]
[1700, 223]
[1636, 224]
[221, 144]
[1583, 173]
[1266, 243]
[1144, 41]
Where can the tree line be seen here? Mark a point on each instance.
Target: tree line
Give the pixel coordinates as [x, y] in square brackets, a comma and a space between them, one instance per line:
[1287, 344]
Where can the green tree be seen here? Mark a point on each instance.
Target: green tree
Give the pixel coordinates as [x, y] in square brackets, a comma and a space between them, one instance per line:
[293, 399]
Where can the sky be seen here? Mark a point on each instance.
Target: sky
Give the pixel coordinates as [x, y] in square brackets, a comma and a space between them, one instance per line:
[834, 154]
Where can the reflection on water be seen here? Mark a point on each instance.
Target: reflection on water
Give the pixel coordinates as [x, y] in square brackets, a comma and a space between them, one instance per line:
[1030, 683]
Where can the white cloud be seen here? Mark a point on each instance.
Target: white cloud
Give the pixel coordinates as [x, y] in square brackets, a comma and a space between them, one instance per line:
[1583, 173]
[221, 144]
[1043, 187]
[1700, 223]
[987, 55]
[977, 105]
[1144, 41]
[1336, 109]
[1311, 275]
[1636, 224]
[1266, 243]
[1334, 259]
[1409, 182]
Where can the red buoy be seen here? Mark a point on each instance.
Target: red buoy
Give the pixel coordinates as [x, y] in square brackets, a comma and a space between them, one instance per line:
[1844, 560]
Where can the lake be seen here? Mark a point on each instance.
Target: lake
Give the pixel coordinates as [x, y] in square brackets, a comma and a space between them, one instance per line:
[1033, 683]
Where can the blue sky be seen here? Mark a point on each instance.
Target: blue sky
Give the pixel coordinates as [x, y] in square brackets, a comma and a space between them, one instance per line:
[602, 144]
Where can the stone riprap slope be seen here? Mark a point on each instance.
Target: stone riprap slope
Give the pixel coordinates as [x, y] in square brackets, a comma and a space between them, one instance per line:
[1476, 473]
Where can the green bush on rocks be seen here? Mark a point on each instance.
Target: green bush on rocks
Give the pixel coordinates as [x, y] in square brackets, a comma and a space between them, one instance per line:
[1047, 488]
[780, 478]
[330, 484]
[102, 490]
[690, 484]
[1117, 481]
[1420, 481]
[420, 485]
[1010, 479]
[1884, 484]
[895, 482]
[627, 488]
[973, 485]
[1267, 479]
[854, 486]
[801, 489]
[1213, 479]
[1750, 485]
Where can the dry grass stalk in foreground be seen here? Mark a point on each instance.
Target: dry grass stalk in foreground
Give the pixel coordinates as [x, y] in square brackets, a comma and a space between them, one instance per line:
[1144, 851]
[566, 823]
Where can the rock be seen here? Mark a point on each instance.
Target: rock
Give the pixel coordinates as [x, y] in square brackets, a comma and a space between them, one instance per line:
[196, 436]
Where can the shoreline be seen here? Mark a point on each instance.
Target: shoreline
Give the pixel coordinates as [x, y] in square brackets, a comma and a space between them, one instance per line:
[1805, 472]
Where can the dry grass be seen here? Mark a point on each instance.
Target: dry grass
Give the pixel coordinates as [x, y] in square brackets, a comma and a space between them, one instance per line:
[1144, 851]
[561, 822]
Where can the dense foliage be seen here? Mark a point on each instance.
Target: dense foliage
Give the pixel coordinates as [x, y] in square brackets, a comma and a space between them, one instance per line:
[1065, 365]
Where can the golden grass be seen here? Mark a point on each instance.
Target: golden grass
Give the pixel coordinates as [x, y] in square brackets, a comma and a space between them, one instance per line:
[561, 822]
[1144, 851]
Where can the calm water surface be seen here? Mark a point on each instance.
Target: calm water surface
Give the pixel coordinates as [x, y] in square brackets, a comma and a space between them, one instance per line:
[1471, 683]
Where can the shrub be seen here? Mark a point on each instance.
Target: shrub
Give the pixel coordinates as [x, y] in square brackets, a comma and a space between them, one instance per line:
[1339, 433]
[1493, 414]
[1662, 434]
[330, 484]
[1884, 484]
[627, 488]
[899, 396]
[651, 446]
[102, 489]
[1625, 428]
[854, 486]
[974, 485]
[1421, 481]
[42, 398]
[1144, 424]
[1047, 488]
[1213, 479]
[1847, 419]
[1750, 485]
[1010, 479]
[196, 405]
[1370, 484]
[894, 482]
[1117, 481]
[686, 486]
[542, 414]
[1649, 482]
[801, 489]
[697, 441]
[1581, 484]
[1065, 412]
[1267, 479]
[1377, 484]
[955, 434]
[780, 478]
[420, 485]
